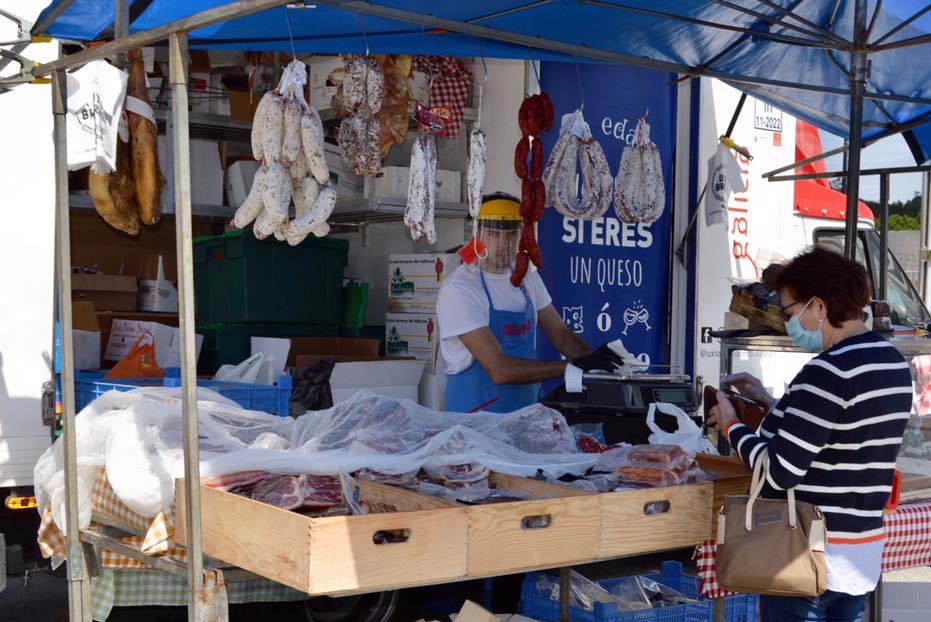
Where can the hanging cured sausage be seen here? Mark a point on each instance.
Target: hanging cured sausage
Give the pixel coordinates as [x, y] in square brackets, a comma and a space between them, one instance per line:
[577, 147]
[534, 116]
[287, 139]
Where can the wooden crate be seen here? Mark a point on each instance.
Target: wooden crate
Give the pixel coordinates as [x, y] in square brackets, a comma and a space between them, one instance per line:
[756, 309]
[499, 543]
[731, 477]
[653, 519]
[334, 555]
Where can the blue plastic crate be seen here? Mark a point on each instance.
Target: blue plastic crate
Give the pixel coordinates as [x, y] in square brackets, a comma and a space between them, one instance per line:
[274, 399]
[739, 608]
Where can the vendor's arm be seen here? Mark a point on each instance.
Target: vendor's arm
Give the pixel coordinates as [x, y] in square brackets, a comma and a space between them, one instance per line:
[503, 369]
[566, 342]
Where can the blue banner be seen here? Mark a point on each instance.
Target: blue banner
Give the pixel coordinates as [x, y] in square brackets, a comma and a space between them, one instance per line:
[608, 279]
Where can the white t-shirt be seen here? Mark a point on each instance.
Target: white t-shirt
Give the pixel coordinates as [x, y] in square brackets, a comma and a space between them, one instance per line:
[462, 307]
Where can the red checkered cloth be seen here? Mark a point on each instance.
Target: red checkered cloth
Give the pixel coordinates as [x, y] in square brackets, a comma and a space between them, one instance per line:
[922, 365]
[908, 545]
[908, 536]
[452, 83]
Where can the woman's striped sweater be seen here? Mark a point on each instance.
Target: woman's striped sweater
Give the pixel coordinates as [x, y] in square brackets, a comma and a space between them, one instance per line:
[835, 435]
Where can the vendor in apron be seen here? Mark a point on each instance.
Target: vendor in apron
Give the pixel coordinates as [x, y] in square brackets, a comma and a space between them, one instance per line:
[488, 328]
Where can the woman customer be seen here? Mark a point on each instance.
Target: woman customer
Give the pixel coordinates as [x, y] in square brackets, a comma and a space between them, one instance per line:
[835, 434]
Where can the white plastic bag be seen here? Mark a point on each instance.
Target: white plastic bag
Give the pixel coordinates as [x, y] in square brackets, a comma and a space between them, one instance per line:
[687, 435]
[253, 370]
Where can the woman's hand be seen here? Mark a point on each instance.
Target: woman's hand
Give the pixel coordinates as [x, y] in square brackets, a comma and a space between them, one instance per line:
[721, 413]
[748, 386]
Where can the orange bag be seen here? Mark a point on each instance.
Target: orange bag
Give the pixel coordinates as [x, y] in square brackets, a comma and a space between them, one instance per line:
[139, 362]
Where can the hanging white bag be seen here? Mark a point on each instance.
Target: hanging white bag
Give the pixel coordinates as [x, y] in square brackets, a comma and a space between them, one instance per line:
[687, 435]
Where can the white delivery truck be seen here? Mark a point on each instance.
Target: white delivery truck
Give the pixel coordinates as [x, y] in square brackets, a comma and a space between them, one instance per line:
[27, 244]
[769, 222]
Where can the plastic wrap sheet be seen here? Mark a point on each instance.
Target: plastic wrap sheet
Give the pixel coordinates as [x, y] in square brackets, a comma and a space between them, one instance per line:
[137, 436]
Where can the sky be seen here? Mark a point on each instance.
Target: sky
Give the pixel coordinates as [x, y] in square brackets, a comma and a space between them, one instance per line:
[888, 152]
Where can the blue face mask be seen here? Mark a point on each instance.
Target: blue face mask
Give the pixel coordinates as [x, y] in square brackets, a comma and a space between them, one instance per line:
[807, 340]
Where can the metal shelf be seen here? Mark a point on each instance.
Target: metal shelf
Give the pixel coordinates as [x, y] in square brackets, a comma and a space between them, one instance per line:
[81, 200]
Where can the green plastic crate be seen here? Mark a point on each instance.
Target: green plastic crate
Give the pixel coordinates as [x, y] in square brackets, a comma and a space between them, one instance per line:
[231, 343]
[241, 279]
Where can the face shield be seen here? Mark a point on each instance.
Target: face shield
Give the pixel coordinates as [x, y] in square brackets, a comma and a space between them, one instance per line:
[501, 238]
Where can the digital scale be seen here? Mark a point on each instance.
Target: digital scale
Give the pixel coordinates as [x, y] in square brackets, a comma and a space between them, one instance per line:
[620, 403]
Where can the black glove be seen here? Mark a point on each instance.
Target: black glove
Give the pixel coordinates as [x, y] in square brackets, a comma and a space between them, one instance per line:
[603, 359]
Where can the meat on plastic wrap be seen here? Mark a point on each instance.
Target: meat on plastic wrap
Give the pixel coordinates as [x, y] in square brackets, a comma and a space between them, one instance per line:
[138, 437]
[671, 457]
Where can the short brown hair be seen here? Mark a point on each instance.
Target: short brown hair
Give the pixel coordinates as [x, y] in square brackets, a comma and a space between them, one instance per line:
[840, 282]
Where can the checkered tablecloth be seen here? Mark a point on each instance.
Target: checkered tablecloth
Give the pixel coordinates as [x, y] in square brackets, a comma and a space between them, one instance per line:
[908, 544]
[159, 531]
[141, 588]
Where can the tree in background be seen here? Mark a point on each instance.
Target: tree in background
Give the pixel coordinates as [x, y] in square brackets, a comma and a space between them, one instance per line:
[903, 215]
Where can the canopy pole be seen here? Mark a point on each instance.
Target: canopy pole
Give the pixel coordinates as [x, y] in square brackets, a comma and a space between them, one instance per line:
[181, 152]
[883, 232]
[859, 68]
[79, 603]
[926, 237]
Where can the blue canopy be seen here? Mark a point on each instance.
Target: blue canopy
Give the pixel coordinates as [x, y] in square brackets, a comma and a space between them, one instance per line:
[795, 54]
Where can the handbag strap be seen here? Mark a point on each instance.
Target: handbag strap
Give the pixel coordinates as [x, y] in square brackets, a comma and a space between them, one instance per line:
[756, 487]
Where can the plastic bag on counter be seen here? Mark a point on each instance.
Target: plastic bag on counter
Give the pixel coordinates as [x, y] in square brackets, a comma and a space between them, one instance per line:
[612, 458]
[589, 437]
[687, 435]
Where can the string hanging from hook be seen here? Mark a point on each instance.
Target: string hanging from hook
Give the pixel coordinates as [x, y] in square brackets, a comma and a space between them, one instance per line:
[481, 85]
[365, 36]
[426, 52]
[643, 91]
[287, 19]
[578, 75]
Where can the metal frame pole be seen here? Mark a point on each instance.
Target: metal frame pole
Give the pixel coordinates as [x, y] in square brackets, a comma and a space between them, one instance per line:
[79, 605]
[859, 68]
[883, 232]
[181, 152]
[925, 237]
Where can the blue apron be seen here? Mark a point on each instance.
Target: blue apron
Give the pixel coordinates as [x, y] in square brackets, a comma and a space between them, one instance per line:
[472, 389]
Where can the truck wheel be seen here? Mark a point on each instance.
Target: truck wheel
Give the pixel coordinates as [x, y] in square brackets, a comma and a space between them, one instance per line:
[376, 607]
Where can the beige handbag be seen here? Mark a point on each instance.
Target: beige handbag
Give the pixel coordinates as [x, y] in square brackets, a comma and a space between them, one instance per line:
[770, 546]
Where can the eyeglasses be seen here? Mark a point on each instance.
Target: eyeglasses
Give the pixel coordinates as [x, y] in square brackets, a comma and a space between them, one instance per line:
[782, 310]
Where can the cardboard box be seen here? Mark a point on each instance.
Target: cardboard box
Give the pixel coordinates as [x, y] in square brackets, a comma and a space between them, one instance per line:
[156, 292]
[395, 180]
[413, 334]
[414, 280]
[108, 292]
[307, 351]
[391, 378]
[124, 333]
[322, 89]
[85, 337]
[348, 185]
[238, 182]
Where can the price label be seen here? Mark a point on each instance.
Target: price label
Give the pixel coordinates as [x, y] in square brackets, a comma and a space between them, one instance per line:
[766, 117]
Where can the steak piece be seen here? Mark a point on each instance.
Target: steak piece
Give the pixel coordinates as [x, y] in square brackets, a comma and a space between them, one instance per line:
[319, 491]
[235, 482]
[282, 491]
